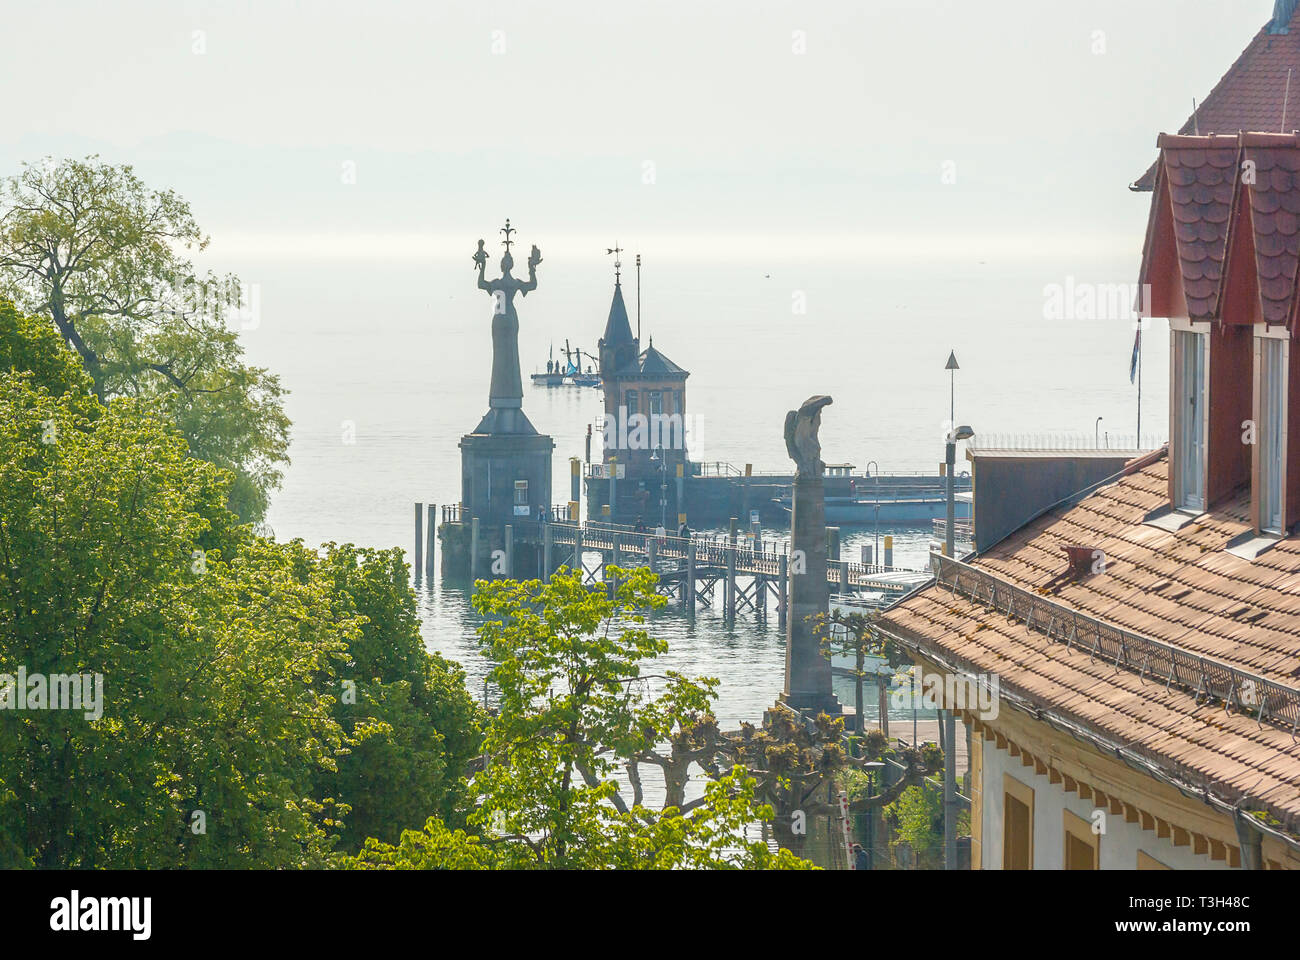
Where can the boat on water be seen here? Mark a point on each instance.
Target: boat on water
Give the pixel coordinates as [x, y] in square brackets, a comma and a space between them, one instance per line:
[554, 375]
[568, 371]
[890, 499]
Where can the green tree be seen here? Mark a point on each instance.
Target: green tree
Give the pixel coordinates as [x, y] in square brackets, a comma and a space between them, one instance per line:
[854, 634]
[88, 245]
[32, 345]
[119, 559]
[574, 704]
[422, 722]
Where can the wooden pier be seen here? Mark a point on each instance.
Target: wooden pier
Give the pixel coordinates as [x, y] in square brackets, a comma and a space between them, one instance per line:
[749, 573]
[693, 571]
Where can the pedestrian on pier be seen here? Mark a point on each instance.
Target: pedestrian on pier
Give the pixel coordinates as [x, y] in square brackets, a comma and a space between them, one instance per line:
[684, 531]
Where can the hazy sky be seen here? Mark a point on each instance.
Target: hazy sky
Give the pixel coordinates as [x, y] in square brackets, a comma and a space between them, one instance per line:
[720, 128]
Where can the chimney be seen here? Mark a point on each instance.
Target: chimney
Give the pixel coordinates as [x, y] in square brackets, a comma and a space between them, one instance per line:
[1283, 10]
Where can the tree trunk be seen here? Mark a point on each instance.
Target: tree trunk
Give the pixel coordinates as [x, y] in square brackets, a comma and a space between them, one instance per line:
[68, 329]
[857, 690]
[882, 685]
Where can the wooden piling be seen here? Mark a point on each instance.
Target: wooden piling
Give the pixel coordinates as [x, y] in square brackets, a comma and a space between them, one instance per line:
[510, 551]
[473, 549]
[616, 558]
[577, 555]
[688, 591]
[546, 553]
[430, 536]
[418, 566]
[729, 595]
[782, 588]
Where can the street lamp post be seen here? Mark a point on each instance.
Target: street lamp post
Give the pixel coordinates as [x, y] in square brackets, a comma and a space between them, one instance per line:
[949, 719]
[659, 457]
[875, 474]
[871, 769]
[949, 539]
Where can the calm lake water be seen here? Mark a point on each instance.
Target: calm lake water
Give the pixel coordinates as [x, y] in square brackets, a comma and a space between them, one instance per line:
[396, 357]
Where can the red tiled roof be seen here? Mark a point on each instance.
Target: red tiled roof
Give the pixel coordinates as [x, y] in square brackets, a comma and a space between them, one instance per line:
[1275, 217]
[1201, 173]
[1181, 588]
[1228, 245]
[1250, 95]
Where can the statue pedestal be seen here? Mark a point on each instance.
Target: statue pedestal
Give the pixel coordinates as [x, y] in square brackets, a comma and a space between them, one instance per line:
[807, 671]
[491, 466]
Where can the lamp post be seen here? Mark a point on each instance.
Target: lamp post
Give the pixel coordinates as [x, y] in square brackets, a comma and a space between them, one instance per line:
[871, 769]
[659, 458]
[960, 433]
[949, 718]
[1096, 433]
[875, 550]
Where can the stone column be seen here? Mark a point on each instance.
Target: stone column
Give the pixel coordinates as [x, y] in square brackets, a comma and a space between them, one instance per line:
[807, 672]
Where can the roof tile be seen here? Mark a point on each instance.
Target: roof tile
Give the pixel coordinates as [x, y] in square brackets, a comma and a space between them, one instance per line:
[1181, 588]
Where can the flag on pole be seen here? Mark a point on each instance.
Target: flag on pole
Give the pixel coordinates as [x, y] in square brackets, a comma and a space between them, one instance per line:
[1137, 350]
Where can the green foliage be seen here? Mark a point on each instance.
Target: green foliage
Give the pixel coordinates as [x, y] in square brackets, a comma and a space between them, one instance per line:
[32, 345]
[917, 817]
[89, 246]
[209, 659]
[573, 704]
[636, 840]
[422, 723]
[223, 738]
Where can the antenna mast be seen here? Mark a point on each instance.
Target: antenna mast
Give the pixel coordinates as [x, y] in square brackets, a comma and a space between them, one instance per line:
[638, 297]
[1285, 99]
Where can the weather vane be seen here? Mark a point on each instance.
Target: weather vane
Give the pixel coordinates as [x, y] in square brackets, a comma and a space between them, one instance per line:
[618, 263]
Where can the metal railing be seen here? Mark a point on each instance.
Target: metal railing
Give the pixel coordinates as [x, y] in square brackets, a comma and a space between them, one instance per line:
[451, 513]
[961, 529]
[1065, 443]
[1206, 677]
[711, 550]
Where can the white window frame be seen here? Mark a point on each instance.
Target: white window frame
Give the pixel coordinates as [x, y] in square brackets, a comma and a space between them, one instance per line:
[1272, 390]
[1189, 425]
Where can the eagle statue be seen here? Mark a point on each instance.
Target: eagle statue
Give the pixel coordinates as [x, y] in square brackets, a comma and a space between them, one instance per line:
[801, 440]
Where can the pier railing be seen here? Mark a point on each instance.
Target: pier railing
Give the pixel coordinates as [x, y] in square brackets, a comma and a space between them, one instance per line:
[1145, 656]
[451, 513]
[962, 529]
[762, 558]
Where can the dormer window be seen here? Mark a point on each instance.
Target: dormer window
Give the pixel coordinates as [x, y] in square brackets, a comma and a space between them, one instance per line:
[1188, 417]
[1271, 430]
